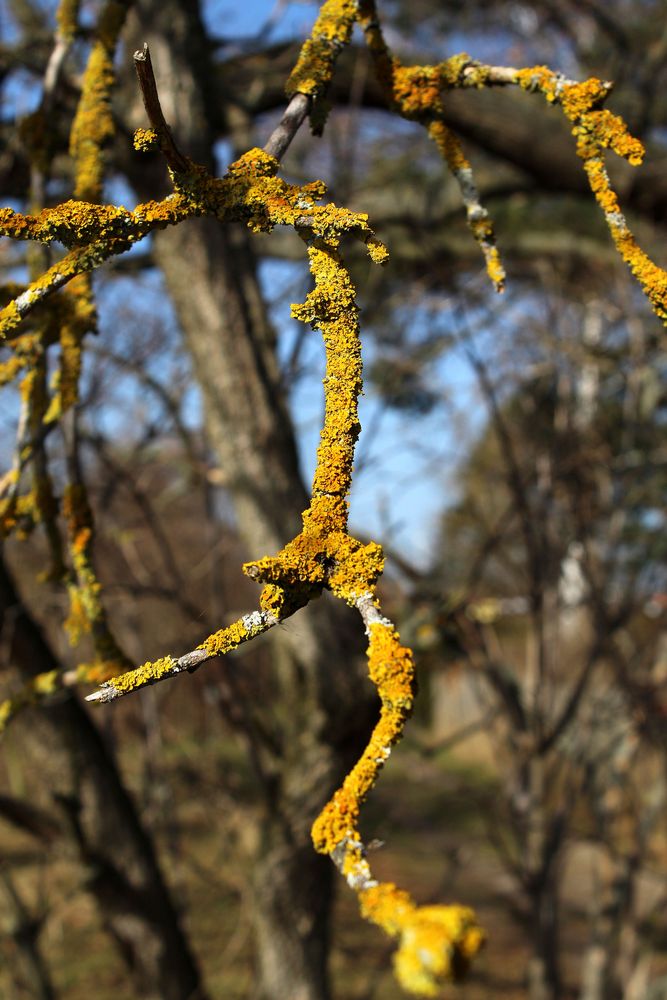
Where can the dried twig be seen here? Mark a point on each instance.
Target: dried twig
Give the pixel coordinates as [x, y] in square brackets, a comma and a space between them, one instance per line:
[142, 63]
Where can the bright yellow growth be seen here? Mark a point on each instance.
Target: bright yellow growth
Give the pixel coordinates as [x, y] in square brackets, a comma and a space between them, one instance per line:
[147, 673]
[67, 17]
[595, 131]
[391, 669]
[436, 943]
[331, 32]
[145, 140]
[93, 124]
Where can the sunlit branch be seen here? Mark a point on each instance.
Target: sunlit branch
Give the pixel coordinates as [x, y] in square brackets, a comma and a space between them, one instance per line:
[227, 639]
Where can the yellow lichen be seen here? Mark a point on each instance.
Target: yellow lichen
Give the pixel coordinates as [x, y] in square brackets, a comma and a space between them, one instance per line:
[225, 639]
[147, 673]
[331, 32]
[87, 613]
[93, 124]
[436, 943]
[415, 93]
[145, 140]
[392, 671]
[67, 18]
[595, 131]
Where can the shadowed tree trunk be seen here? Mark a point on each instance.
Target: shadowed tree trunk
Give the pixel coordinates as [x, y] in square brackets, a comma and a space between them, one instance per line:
[323, 701]
[122, 870]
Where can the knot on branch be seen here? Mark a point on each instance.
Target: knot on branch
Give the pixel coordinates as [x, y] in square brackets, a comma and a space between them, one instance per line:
[313, 561]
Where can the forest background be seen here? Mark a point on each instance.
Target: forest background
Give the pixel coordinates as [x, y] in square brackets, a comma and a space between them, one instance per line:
[511, 463]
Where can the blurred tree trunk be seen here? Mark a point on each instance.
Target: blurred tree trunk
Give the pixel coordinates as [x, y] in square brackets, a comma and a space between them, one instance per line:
[122, 870]
[321, 708]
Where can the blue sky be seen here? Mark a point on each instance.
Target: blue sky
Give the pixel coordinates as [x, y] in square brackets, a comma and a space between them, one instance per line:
[232, 19]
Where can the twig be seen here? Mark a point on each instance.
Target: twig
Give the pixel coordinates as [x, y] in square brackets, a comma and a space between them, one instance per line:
[142, 63]
[247, 627]
[290, 123]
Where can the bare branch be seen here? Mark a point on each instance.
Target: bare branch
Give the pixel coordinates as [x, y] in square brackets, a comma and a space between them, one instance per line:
[290, 123]
[142, 63]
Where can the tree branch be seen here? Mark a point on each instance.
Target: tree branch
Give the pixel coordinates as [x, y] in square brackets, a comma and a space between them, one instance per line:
[290, 123]
[142, 64]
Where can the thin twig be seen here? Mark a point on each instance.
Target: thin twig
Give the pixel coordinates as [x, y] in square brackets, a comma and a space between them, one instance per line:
[246, 628]
[288, 126]
[142, 63]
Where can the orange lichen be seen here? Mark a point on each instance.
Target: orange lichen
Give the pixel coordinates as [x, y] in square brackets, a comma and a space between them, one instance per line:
[87, 613]
[415, 93]
[392, 671]
[436, 943]
[78, 318]
[323, 554]
[250, 193]
[93, 125]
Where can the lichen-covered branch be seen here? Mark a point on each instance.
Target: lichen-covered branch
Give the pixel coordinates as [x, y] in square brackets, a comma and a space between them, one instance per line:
[224, 641]
[68, 323]
[415, 93]
[93, 123]
[596, 130]
[435, 943]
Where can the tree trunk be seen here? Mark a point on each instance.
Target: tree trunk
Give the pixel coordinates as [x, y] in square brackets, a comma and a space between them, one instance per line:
[543, 971]
[323, 701]
[542, 833]
[122, 869]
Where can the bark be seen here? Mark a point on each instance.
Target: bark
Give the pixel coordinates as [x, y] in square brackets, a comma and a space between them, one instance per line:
[541, 850]
[123, 874]
[322, 701]
[543, 972]
[612, 963]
